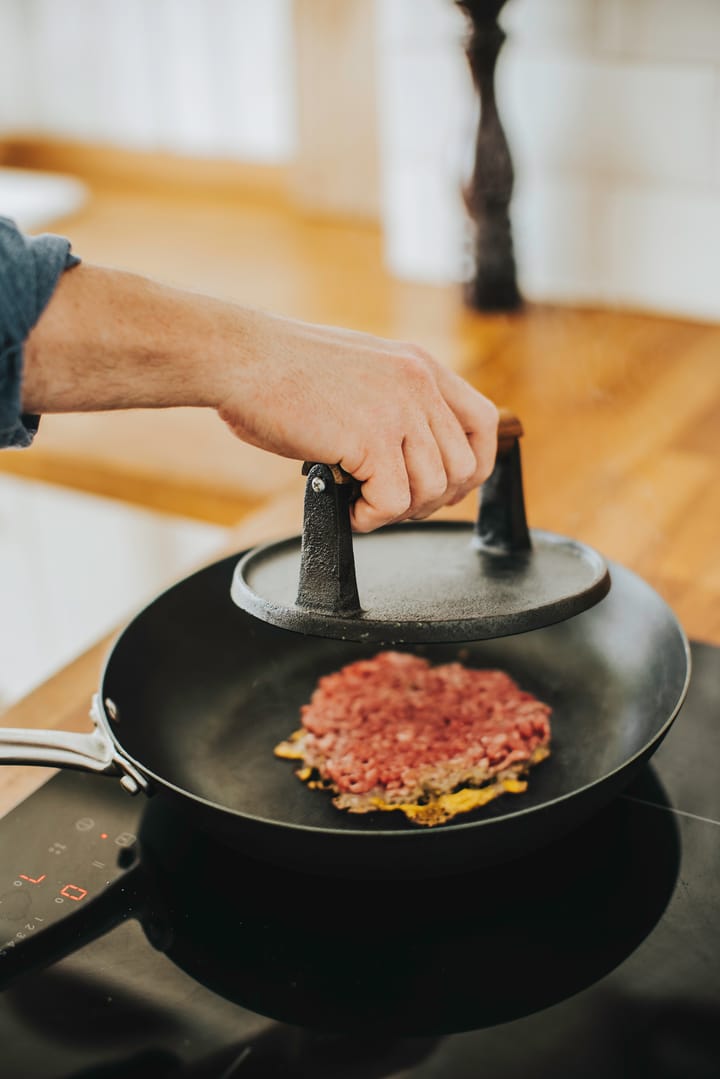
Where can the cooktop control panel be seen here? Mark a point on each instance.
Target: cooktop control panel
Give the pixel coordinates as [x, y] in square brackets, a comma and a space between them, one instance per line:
[59, 853]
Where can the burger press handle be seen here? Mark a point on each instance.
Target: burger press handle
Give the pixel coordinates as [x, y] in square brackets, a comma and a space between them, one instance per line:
[327, 580]
[432, 580]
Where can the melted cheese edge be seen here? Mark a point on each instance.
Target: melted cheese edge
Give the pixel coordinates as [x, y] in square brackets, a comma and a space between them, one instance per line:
[437, 809]
[446, 806]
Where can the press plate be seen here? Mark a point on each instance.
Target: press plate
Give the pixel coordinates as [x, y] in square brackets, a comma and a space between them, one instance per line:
[428, 581]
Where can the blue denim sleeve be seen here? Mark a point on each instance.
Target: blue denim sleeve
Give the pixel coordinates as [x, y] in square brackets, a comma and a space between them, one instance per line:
[30, 268]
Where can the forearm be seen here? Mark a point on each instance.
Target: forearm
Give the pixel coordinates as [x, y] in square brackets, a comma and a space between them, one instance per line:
[113, 340]
[413, 433]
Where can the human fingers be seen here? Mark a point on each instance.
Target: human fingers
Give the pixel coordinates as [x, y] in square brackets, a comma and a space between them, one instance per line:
[478, 417]
[384, 491]
[436, 470]
[444, 456]
[427, 473]
[459, 459]
[467, 449]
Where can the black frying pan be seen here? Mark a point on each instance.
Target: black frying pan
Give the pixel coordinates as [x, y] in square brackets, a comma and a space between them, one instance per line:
[196, 693]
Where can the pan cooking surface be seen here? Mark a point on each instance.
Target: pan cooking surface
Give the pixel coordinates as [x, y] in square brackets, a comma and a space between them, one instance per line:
[205, 691]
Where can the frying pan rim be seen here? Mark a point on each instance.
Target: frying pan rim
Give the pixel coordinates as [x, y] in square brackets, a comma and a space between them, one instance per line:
[371, 834]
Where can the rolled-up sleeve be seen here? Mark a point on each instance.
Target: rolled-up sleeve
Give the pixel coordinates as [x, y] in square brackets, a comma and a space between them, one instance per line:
[30, 268]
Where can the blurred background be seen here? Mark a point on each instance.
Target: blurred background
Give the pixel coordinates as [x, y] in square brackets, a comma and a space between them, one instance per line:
[315, 157]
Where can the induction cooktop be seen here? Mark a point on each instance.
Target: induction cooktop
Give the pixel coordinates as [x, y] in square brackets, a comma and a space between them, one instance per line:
[130, 946]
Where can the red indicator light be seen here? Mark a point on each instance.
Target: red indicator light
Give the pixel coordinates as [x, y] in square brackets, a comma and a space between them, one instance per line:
[32, 880]
[71, 891]
[103, 835]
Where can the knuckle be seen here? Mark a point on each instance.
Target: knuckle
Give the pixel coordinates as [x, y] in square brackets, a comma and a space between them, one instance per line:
[485, 467]
[487, 415]
[400, 506]
[367, 524]
[413, 351]
[487, 423]
[466, 478]
[367, 518]
[392, 506]
[492, 413]
[466, 471]
[437, 490]
[432, 492]
[417, 368]
[462, 464]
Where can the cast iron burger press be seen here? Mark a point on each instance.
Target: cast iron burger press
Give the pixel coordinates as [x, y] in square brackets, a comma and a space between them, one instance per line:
[429, 580]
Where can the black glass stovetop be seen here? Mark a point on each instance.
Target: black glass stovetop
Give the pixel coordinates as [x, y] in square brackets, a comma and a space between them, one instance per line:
[129, 948]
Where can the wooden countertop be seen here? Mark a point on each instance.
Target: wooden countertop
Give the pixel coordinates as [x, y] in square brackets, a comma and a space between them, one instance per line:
[620, 409]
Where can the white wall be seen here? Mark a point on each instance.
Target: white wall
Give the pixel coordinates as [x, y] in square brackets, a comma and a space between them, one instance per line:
[427, 123]
[207, 77]
[612, 111]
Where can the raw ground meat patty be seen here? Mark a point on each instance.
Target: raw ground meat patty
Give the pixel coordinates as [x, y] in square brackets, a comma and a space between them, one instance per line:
[395, 733]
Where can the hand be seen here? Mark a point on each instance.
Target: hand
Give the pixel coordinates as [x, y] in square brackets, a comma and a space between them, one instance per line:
[413, 433]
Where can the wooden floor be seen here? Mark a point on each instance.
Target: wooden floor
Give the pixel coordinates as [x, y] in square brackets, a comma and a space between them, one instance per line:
[621, 410]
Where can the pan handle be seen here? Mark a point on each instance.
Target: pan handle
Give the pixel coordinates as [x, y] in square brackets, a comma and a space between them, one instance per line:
[327, 580]
[86, 752]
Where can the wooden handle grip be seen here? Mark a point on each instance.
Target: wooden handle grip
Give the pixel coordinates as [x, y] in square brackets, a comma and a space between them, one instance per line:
[509, 429]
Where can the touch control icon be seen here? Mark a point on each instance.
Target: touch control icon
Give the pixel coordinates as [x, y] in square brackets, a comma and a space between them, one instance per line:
[74, 892]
